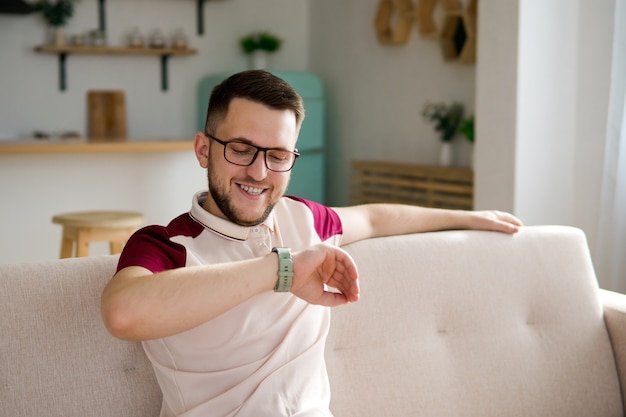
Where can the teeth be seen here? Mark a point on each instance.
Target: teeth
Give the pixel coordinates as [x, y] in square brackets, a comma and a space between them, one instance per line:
[251, 190]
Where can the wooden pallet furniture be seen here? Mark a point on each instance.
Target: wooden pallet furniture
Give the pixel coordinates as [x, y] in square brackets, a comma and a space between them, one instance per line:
[423, 185]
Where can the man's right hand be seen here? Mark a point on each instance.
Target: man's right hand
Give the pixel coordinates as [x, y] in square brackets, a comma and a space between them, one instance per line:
[321, 266]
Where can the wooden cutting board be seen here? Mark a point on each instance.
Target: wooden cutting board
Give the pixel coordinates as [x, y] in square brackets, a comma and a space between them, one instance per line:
[106, 116]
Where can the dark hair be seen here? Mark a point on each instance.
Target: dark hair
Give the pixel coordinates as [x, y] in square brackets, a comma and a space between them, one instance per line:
[259, 86]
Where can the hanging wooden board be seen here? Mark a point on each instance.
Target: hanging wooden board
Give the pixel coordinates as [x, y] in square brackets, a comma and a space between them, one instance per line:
[106, 116]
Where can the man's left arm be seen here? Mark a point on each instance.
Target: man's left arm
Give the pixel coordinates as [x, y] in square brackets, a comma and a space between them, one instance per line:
[375, 220]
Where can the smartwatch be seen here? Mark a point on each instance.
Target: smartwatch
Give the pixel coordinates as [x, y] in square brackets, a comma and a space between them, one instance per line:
[285, 269]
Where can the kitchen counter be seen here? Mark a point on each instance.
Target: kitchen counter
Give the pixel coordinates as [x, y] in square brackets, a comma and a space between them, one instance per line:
[40, 178]
[47, 146]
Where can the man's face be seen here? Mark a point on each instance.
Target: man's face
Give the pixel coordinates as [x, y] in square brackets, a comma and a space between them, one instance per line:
[246, 194]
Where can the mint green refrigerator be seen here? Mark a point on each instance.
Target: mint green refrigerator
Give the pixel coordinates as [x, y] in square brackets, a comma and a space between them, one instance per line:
[308, 175]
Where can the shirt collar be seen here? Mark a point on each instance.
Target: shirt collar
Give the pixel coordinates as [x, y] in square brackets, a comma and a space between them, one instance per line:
[221, 226]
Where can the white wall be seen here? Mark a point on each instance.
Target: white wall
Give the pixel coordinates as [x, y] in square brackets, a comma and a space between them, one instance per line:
[496, 105]
[375, 92]
[542, 96]
[33, 188]
[595, 40]
[546, 104]
[30, 98]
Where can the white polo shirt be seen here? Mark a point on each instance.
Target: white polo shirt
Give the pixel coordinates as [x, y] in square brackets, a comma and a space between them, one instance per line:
[264, 357]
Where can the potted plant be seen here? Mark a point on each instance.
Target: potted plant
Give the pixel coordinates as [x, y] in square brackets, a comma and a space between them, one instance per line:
[466, 128]
[57, 13]
[447, 119]
[258, 45]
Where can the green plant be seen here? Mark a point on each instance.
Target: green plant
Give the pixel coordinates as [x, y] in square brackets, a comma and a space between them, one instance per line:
[467, 128]
[447, 118]
[264, 41]
[57, 13]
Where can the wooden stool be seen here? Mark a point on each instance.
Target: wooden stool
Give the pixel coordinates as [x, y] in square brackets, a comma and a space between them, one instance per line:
[85, 227]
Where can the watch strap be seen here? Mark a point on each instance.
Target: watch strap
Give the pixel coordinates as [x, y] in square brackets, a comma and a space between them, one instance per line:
[285, 269]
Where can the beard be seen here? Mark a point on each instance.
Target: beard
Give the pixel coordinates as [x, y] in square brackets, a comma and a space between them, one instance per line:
[224, 203]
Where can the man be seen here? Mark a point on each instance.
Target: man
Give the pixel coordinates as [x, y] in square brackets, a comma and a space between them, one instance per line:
[231, 326]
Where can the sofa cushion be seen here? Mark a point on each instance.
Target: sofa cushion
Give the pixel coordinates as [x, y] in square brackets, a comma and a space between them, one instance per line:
[469, 323]
[56, 357]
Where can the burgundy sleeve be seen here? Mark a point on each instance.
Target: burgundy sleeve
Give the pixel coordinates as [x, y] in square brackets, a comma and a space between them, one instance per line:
[152, 248]
[327, 222]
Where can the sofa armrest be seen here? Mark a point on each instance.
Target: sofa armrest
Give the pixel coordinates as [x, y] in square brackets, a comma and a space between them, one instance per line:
[614, 305]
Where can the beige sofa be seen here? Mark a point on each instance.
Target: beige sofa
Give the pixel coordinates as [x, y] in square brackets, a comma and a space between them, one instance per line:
[450, 324]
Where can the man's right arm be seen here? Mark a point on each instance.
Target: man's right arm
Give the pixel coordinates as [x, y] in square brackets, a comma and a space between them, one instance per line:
[139, 305]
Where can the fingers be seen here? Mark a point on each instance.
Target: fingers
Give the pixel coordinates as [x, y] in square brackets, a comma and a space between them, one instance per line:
[346, 284]
[500, 221]
[339, 271]
[508, 217]
[494, 220]
[506, 222]
[332, 299]
[323, 266]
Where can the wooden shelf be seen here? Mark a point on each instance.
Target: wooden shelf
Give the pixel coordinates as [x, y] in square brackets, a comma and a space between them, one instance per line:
[64, 51]
[163, 53]
[46, 146]
[112, 50]
[393, 22]
[457, 31]
[458, 35]
[428, 186]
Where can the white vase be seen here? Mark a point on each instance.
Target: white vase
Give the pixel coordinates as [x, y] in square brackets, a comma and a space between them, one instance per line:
[259, 59]
[445, 154]
[57, 36]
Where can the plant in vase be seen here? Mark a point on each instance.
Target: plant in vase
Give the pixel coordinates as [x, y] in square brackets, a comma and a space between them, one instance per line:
[258, 45]
[447, 119]
[57, 13]
[466, 128]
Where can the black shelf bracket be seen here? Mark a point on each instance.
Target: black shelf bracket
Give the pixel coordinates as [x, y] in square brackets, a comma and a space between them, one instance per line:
[62, 75]
[63, 71]
[164, 59]
[200, 17]
[102, 25]
[102, 16]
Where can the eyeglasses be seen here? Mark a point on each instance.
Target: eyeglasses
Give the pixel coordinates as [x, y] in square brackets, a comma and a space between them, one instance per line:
[244, 154]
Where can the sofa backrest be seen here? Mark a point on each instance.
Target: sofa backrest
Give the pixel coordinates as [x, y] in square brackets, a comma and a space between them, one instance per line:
[449, 324]
[473, 324]
[56, 358]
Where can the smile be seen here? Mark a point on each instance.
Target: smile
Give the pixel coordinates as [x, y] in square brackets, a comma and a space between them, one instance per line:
[251, 190]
